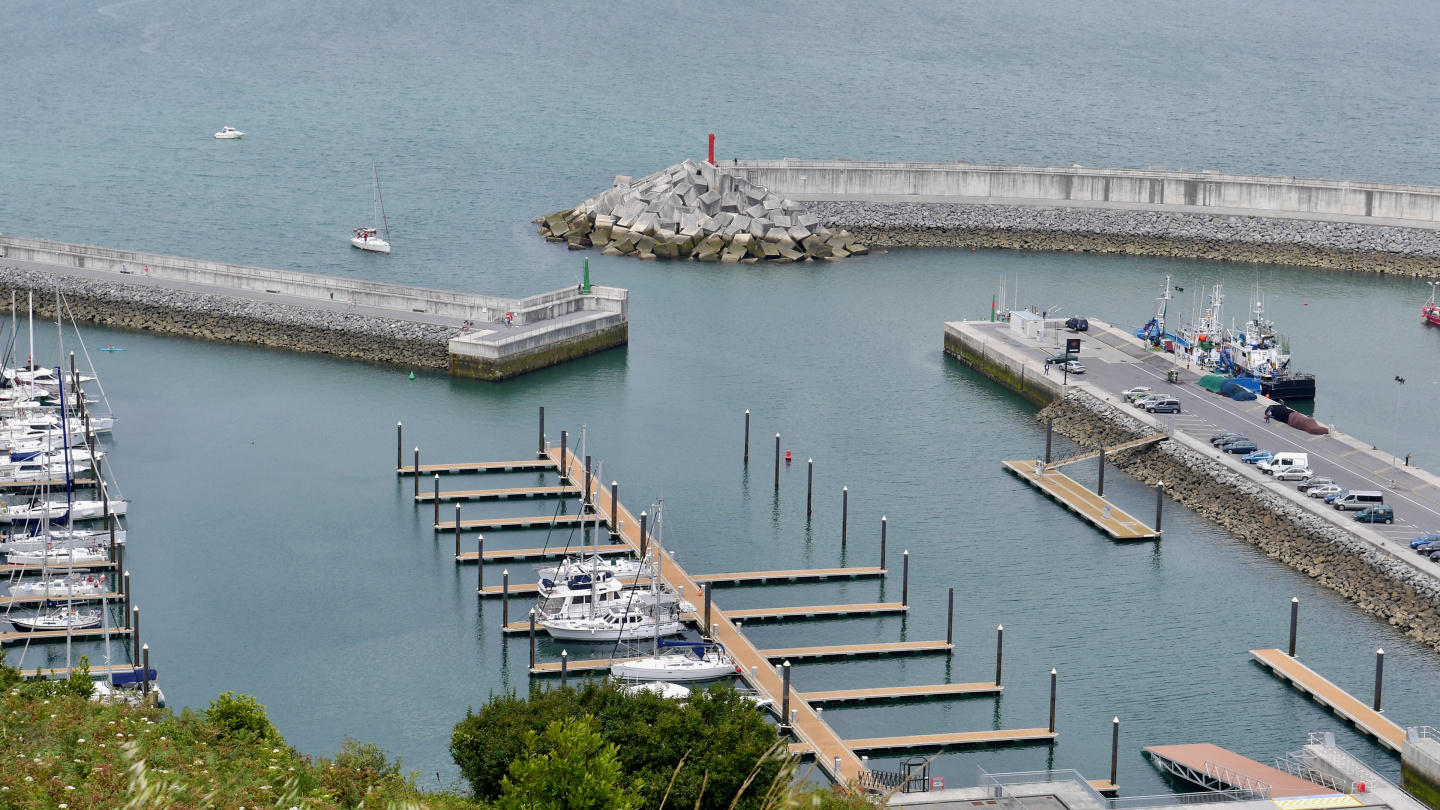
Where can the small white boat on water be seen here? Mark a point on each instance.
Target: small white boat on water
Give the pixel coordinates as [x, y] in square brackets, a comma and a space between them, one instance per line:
[669, 691]
[678, 661]
[60, 587]
[59, 557]
[369, 238]
[58, 619]
[618, 625]
[229, 134]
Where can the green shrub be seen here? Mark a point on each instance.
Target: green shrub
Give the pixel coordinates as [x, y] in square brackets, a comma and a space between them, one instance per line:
[568, 767]
[241, 715]
[360, 770]
[719, 734]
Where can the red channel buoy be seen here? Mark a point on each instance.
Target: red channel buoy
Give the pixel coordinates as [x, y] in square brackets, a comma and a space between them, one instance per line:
[787, 456]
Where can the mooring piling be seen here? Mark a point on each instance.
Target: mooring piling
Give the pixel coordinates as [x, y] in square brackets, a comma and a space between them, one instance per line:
[999, 651]
[564, 460]
[1053, 676]
[541, 452]
[135, 633]
[145, 673]
[585, 501]
[416, 476]
[810, 489]
[882, 542]
[1159, 503]
[747, 436]
[1294, 622]
[399, 445]
[480, 567]
[125, 589]
[777, 462]
[615, 506]
[457, 526]
[504, 598]
[1379, 676]
[950, 621]
[644, 538]
[1049, 434]
[1100, 489]
[905, 581]
[844, 514]
[708, 631]
[564, 668]
[1115, 751]
[437, 502]
[532, 644]
[785, 717]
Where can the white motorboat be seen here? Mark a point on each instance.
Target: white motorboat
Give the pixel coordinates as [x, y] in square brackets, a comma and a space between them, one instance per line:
[369, 238]
[59, 557]
[61, 587]
[678, 661]
[617, 625]
[129, 693]
[229, 134]
[627, 569]
[26, 471]
[58, 619]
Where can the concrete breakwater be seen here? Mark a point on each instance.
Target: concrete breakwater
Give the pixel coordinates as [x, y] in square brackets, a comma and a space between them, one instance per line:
[697, 211]
[1376, 583]
[218, 317]
[1222, 237]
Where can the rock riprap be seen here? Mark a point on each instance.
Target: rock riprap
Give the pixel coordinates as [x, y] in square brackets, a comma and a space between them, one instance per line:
[697, 211]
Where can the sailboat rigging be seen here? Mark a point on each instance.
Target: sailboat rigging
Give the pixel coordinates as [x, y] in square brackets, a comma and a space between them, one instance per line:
[369, 238]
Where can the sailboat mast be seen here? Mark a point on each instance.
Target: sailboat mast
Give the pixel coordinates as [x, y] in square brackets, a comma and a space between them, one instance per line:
[381, 197]
[31, 323]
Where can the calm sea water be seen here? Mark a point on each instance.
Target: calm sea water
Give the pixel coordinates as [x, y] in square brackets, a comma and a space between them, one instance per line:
[275, 553]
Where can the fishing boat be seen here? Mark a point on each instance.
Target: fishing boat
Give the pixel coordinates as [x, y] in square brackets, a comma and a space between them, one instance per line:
[369, 238]
[1258, 351]
[1430, 311]
[678, 661]
[58, 619]
[229, 134]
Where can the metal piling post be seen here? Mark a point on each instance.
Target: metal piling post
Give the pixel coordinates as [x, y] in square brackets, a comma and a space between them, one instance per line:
[135, 633]
[905, 582]
[585, 502]
[480, 567]
[532, 640]
[950, 620]
[1053, 677]
[1159, 503]
[564, 668]
[810, 489]
[785, 694]
[505, 599]
[1294, 622]
[1115, 752]
[883, 526]
[1100, 490]
[416, 472]
[1379, 676]
[615, 506]
[564, 462]
[777, 462]
[399, 445]
[644, 538]
[999, 651]
[707, 611]
[747, 435]
[844, 514]
[1049, 434]
[541, 452]
[437, 502]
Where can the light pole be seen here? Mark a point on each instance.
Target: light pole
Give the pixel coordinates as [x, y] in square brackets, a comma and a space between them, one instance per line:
[1394, 453]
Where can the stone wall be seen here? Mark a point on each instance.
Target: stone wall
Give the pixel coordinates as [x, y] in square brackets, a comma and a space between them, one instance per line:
[1378, 585]
[1259, 239]
[215, 317]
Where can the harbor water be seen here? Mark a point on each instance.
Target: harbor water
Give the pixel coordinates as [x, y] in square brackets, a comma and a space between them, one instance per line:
[274, 551]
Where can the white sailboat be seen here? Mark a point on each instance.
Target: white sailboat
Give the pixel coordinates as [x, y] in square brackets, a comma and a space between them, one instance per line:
[60, 587]
[63, 556]
[58, 619]
[59, 511]
[369, 238]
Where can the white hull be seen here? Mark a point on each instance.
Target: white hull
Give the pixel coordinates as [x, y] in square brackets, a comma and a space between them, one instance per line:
[74, 621]
[83, 510]
[598, 630]
[372, 245]
[58, 557]
[60, 588]
[674, 667]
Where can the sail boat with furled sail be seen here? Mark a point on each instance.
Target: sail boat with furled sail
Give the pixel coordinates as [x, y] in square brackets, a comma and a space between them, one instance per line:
[369, 238]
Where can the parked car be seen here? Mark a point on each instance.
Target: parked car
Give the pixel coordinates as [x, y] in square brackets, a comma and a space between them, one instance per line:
[1077, 324]
[1073, 367]
[1428, 537]
[1435, 558]
[1135, 393]
[1228, 442]
[1428, 548]
[1323, 490]
[1376, 514]
[1257, 456]
[1332, 497]
[1165, 405]
[1220, 438]
[1294, 474]
[1144, 400]
[1060, 358]
[1242, 446]
[1315, 482]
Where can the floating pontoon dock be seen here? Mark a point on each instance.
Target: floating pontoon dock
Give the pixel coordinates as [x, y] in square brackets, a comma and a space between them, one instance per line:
[501, 494]
[537, 465]
[1102, 514]
[1369, 721]
[8, 601]
[519, 554]
[61, 635]
[1215, 768]
[889, 693]
[798, 575]
[803, 612]
[499, 524]
[884, 648]
[959, 739]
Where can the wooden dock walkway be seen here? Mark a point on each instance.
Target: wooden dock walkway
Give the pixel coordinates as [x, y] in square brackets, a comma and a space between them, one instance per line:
[858, 650]
[803, 612]
[528, 589]
[518, 554]
[36, 569]
[798, 575]
[460, 468]
[1216, 768]
[1369, 721]
[59, 635]
[8, 601]
[958, 739]
[500, 494]
[1102, 514]
[23, 486]
[889, 693]
[583, 666]
[762, 678]
[500, 524]
[62, 672]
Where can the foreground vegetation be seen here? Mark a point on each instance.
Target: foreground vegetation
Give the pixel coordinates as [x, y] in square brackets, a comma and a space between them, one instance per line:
[586, 748]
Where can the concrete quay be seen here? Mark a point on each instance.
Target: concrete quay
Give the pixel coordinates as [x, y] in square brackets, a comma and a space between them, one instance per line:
[1371, 564]
[366, 320]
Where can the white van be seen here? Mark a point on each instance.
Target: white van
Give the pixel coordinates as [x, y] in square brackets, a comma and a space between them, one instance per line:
[1358, 499]
[1283, 460]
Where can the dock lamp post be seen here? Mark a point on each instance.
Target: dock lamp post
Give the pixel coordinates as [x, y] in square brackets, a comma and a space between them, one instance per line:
[1394, 452]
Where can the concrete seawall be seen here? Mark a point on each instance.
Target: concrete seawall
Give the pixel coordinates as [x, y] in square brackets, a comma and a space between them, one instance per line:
[388, 323]
[1374, 227]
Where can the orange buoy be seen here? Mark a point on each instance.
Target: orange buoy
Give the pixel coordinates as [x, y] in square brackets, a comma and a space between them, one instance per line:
[787, 456]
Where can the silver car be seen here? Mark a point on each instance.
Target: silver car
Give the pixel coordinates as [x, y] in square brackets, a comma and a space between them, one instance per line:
[1295, 473]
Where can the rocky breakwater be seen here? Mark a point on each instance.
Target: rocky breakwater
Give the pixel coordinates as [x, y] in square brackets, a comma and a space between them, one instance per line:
[1266, 240]
[697, 211]
[1342, 561]
[239, 320]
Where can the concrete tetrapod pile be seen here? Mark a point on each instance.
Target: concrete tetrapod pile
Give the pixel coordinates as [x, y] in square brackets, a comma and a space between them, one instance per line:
[697, 211]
